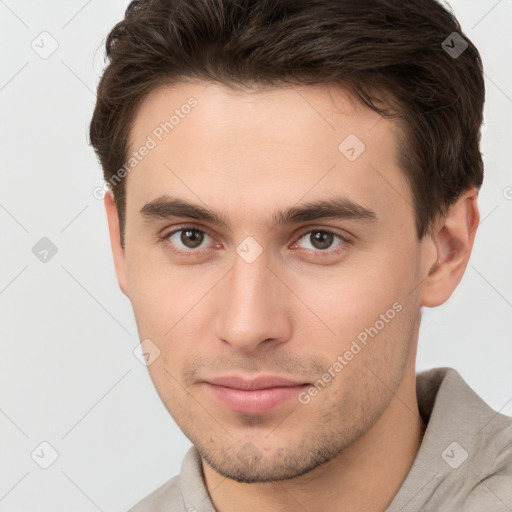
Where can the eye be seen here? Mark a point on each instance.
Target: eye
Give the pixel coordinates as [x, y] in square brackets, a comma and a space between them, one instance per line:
[190, 240]
[320, 240]
[186, 239]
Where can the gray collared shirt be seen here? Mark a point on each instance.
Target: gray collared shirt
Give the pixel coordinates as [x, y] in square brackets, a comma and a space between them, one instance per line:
[464, 462]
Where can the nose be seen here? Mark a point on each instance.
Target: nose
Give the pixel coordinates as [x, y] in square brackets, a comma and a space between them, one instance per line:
[252, 307]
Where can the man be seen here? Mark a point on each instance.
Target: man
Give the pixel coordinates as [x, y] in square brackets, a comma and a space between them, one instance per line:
[290, 184]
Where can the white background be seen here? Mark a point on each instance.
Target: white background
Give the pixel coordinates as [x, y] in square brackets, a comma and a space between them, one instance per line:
[68, 375]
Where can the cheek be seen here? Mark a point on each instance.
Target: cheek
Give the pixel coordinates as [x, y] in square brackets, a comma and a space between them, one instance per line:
[167, 308]
[345, 299]
[337, 302]
[159, 292]
[371, 365]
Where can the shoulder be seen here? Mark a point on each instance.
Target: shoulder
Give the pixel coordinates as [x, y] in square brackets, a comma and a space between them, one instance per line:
[478, 457]
[465, 460]
[167, 498]
[461, 417]
[489, 469]
[185, 492]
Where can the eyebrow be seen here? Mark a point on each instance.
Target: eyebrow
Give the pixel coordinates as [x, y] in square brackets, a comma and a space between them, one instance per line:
[166, 207]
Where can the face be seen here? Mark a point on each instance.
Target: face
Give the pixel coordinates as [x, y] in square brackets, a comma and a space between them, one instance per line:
[272, 261]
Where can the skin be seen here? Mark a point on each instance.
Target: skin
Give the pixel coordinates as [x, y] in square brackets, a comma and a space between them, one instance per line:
[299, 305]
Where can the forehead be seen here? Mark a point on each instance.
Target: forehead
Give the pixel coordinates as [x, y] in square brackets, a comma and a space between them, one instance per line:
[308, 113]
[263, 147]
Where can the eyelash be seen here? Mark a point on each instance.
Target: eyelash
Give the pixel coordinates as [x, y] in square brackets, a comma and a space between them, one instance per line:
[317, 253]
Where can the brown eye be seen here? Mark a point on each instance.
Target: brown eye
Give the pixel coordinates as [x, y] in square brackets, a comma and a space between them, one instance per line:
[191, 238]
[320, 239]
[186, 238]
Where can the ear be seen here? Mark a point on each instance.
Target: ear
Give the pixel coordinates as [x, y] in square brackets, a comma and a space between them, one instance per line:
[115, 240]
[451, 242]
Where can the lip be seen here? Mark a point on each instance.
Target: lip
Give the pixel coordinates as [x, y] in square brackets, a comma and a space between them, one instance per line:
[253, 396]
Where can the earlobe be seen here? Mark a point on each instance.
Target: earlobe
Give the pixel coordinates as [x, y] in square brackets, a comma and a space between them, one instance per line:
[452, 240]
[115, 240]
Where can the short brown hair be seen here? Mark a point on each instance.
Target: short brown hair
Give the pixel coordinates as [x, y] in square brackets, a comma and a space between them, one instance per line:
[375, 48]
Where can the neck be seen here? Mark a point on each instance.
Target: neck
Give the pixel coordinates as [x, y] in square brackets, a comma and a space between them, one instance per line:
[364, 477]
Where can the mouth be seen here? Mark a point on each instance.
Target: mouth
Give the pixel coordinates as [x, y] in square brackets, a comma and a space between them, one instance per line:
[253, 396]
